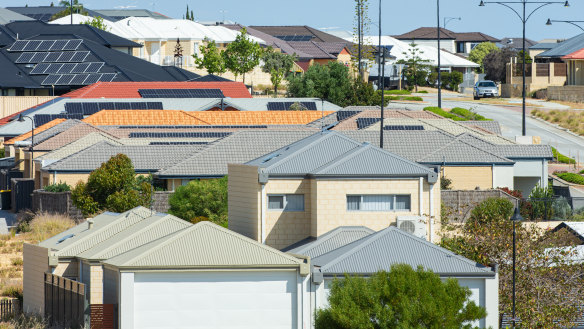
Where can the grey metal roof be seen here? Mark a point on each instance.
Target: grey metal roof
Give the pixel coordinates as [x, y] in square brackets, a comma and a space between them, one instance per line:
[148, 158]
[334, 154]
[565, 48]
[544, 45]
[329, 241]
[204, 245]
[460, 152]
[240, 147]
[143, 232]
[381, 250]
[7, 16]
[81, 238]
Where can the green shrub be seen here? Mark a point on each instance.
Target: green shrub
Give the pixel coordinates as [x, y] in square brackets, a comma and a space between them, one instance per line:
[443, 113]
[454, 79]
[562, 158]
[491, 210]
[12, 291]
[405, 98]
[468, 114]
[61, 187]
[571, 177]
[201, 200]
[541, 199]
[445, 183]
[397, 92]
[422, 92]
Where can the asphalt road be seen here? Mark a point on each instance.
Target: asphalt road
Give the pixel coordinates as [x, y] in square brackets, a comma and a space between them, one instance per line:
[509, 117]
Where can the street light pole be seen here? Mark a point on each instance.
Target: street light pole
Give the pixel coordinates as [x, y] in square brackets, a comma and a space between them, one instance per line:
[524, 18]
[515, 218]
[439, 70]
[448, 19]
[549, 22]
[21, 119]
[71, 12]
[381, 62]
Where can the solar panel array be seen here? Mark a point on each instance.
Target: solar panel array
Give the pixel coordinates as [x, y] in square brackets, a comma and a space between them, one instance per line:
[366, 122]
[181, 93]
[179, 134]
[285, 106]
[199, 127]
[54, 68]
[178, 143]
[400, 127]
[77, 79]
[41, 119]
[46, 45]
[344, 115]
[52, 57]
[89, 108]
[295, 37]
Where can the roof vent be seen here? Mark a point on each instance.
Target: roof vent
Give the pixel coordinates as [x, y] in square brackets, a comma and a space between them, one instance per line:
[89, 224]
[68, 236]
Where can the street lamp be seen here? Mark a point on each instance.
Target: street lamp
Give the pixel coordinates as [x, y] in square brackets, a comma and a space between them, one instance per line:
[448, 19]
[21, 119]
[524, 18]
[515, 218]
[381, 62]
[439, 70]
[549, 22]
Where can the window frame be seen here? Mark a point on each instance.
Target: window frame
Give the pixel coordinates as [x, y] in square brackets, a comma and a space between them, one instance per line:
[285, 203]
[393, 203]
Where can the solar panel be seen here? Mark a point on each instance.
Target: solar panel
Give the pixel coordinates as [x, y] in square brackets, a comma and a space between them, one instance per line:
[178, 143]
[53, 68]
[90, 108]
[41, 119]
[78, 80]
[66, 57]
[24, 58]
[94, 67]
[52, 57]
[45, 45]
[155, 105]
[18, 45]
[402, 127]
[344, 115]
[181, 93]
[366, 122]
[285, 106]
[38, 57]
[32, 45]
[179, 134]
[73, 44]
[92, 78]
[59, 45]
[51, 79]
[40, 68]
[107, 77]
[79, 56]
[295, 37]
[66, 68]
[65, 79]
[80, 68]
[74, 108]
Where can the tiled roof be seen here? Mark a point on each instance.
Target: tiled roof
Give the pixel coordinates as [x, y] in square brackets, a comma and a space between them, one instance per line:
[204, 245]
[171, 117]
[578, 54]
[37, 130]
[149, 158]
[430, 33]
[369, 255]
[77, 146]
[69, 136]
[292, 30]
[474, 37]
[492, 126]
[460, 152]
[374, 112]
[130, 89]
[319, 50]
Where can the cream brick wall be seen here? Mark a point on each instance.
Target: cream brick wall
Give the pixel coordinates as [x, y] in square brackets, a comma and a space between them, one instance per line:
[71, 179]
[69, 269]
[284, 228]
[244, 200]
[35, 264]
[468, 178]
[96, 284]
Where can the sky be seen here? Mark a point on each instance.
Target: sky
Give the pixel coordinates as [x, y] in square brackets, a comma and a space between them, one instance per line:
[397, 16]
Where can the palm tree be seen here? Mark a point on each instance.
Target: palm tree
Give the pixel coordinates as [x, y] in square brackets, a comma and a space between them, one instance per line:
[77, 7]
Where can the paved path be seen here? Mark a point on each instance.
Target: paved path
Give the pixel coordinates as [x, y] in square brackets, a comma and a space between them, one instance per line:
[509, 117]
[7, 219]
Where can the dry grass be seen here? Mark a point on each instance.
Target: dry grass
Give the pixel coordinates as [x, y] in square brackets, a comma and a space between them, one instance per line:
[44, 226]
[572, 120]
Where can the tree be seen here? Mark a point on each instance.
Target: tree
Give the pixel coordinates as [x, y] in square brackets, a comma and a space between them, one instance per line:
[549, 283]
[453, 80]
[495, 64]
[201, 200]
[98, 23]
[212, 58]
[112, 186]
[361, 28]
[188, 14]
[242, 55]
[478, 53]
[77, 9]
[401, 298]
[277, 64]
[417, 68]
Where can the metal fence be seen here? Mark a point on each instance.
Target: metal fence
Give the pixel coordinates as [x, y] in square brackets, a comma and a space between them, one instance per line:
[64, 302]
[9, 308]
[557, 208]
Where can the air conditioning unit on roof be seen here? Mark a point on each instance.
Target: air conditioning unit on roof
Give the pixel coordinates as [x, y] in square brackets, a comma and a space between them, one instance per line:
[415, 225]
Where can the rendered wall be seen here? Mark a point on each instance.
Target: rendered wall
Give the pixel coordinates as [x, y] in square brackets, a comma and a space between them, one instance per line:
[244, 200]
[35, 264]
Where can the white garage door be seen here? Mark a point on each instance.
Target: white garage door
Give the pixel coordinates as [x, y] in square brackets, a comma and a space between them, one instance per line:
[243, 300]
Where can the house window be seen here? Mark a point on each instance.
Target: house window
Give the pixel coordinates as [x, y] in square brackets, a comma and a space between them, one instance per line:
[460, 47]
[378, 202]
[286, 202]
[473, 45]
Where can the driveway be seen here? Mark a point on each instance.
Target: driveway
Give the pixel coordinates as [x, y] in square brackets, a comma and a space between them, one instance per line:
[509, 117]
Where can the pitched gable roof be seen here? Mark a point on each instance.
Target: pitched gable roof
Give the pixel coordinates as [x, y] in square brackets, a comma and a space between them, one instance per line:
[340, 236]
[381, 250]
[578, 54]
[426, 33]
[37, 130]
[69, 136]
[565, 48]
[204, 245]
[304, 30]
[130, 89]
[460, 152]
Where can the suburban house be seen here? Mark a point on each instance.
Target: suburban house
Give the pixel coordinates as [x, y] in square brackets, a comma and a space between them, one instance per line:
[9, 16]
[354, 250]
[453, 42]
[516, 44]
[45, 13]
[124, 261]
[325, 181]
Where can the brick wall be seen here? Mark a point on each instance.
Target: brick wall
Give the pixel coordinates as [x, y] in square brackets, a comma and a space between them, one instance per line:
[461, 203]
[566, 93]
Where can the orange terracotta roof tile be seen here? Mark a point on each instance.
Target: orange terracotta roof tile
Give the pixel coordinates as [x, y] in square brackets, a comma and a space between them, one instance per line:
[130, 89]
[36, 131]
[174, 117]
[578, 54]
